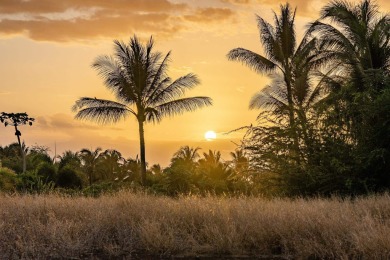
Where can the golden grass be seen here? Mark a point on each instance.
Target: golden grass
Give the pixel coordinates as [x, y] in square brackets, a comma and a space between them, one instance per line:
[134, 225]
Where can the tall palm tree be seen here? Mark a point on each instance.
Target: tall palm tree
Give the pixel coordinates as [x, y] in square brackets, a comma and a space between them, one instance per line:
[138, 78]
[360, 39]
[90, 159]
[291, 65]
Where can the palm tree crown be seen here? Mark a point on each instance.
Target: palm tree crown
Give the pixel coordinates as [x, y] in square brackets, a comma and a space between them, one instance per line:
[361, 40]
[138, 78]
[291, 65]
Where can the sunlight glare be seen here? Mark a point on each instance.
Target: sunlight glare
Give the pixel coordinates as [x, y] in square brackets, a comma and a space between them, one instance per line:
[210, 135]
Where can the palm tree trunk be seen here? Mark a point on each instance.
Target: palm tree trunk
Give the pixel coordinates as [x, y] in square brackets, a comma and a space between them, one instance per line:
[17, 133]
[287, 78]
[142, 151]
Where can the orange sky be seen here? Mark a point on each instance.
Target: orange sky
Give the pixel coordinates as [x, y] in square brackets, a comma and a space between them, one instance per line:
[47, 48]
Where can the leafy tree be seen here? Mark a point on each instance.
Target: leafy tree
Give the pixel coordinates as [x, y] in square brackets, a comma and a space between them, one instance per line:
[180, 177]
[138, 78]
[47, 172]
[69, 178]
[215, 175]
[358, 38]
[17, 119]
[70, 159]
[11, 157]
[37, 155]
[8, 180]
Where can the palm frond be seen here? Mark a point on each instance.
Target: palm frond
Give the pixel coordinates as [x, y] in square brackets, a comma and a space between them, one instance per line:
[115, 79]
[157, 75]
[179, 106]
[270, 43]
[272, 97]
[285, 32]
[175, 90]
[253, 60]
[100, 110]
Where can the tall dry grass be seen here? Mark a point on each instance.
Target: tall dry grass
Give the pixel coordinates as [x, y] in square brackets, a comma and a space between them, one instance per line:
[133, 225]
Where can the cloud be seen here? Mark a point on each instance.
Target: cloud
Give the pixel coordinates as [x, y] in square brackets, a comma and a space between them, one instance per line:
[236, 1]
[304, 7]
[74, 20]
[207, 15]
[65, 122]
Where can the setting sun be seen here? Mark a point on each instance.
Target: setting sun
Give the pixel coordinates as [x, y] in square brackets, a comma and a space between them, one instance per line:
[210, 135]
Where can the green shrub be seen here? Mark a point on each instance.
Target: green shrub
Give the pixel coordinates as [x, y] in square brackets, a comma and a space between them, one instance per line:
[8, 180]
[47, 172]
[69, 178]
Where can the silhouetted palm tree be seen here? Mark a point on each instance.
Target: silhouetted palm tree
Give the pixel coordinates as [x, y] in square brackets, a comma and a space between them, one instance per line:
[359, 41]
[90, 159]
[138, 78]
[111, 163]
[291, 65]
[240, 161]
[186, 154]
[69, 158]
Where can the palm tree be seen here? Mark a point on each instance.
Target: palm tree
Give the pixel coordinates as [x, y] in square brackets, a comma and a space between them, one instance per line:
[138, 78]
[186, 154]
[240, 161]
[360, 41]
[69, 158]
[112, 160]
[291, 66]
[90, 159]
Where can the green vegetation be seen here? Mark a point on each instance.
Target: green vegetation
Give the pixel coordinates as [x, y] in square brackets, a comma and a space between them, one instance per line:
[323, 126]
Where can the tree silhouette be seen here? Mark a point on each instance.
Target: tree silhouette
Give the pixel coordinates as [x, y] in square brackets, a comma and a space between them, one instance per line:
[138, 78]
[17, 119]
[89, 160]
[291, 66]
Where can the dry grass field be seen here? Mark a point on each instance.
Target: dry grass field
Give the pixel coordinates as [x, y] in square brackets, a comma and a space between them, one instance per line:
[128, 225]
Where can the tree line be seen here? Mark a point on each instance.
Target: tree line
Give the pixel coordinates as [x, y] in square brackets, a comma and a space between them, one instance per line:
[324, 121]
[96, 170]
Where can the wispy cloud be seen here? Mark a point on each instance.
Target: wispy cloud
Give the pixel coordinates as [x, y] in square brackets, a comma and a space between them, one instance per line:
[73, 20]
[64, 122]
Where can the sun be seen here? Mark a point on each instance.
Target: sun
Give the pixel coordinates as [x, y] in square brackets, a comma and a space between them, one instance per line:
[210, 135]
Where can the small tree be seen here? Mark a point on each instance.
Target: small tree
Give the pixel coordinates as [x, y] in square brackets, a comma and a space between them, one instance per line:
[17, 119]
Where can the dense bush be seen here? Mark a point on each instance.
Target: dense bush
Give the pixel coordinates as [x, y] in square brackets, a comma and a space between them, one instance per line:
[47, 172]
[69, 178]
[8, 180]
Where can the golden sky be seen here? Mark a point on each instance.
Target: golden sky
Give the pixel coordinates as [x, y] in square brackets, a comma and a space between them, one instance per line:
[47, 48]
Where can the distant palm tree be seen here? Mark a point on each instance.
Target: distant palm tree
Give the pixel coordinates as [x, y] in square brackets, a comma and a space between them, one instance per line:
[112, 161]
[69, 158]
[186, 154]
[240, 161]
[90, 159]
[138, 78]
